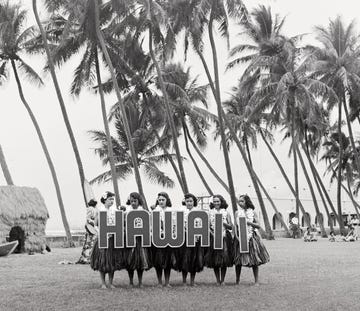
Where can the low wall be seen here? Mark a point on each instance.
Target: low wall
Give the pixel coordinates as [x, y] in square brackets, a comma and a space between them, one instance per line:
[60, 240]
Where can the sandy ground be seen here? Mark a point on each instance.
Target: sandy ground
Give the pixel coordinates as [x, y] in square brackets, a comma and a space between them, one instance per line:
[300, 276]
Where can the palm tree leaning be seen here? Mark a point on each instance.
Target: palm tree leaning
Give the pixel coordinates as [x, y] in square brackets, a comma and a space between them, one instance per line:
[336, 63]
[77, 32]
[61, 100]
[5, 168]
[153, 11]
[119, 97]
[184, 94]
[12, 42]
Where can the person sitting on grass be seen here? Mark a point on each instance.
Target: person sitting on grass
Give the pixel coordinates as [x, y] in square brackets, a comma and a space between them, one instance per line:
[351, 236]
[309, 236]
[332, 237]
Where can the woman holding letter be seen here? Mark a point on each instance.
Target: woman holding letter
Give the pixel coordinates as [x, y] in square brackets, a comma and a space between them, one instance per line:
[257, 254]
[220, 259]
[138, 257]
[163, 258]
[191, 258]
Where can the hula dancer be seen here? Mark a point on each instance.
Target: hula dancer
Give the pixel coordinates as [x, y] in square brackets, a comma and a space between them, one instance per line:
[105, 260]
[90, 233]
[138, 257]
[163, 259]
[220, 259]
[192, 258]
[257, 254]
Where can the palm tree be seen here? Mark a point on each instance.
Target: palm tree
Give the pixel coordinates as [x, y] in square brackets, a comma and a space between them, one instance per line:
[264, 30]
[290, 93]
[183, 94]
[193, 16]
[333, 146]
[337, 63]
[13, 40]
[247, 131]
[99, 34]
[5, 168]
[72, 35]
[146, 146]
[45, 45]
[155, 17]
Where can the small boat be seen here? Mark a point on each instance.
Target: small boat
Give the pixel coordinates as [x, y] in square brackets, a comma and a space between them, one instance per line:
[8, 248]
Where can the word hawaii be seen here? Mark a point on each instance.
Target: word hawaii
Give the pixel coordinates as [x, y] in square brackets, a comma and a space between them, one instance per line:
[169, 229]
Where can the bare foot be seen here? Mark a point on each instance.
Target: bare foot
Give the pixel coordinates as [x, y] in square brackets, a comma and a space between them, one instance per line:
[257, 284]
[159, 285]
[112, 286]
[103, 286]
[167, 285]
[218, 284]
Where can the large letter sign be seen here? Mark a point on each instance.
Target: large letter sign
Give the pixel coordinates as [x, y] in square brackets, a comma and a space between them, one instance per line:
[106, 229]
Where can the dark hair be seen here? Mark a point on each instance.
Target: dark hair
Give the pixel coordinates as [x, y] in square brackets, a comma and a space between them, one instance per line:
[188, 196]
[223, 203]
[332, 232]
[106, 195]
[92, 203]
[135, 196]
[248, 203]
[166, 196]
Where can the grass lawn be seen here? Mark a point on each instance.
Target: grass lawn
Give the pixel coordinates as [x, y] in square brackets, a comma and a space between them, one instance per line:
[300, 276]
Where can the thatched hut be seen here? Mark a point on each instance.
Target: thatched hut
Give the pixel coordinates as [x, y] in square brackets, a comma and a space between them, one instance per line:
[23, 207]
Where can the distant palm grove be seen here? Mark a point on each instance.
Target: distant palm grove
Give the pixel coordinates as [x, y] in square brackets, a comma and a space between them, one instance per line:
[309, 93]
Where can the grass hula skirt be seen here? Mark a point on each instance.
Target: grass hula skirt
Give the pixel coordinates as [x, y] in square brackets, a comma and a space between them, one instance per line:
[138, 257]
[107, 259]
[164, 258]
[257, 255]
[217, 258]
[192, 258]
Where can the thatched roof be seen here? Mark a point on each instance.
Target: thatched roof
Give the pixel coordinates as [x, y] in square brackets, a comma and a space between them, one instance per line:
[21, 202]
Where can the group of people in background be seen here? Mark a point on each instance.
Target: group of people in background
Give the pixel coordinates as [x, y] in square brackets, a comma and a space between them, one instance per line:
[189, 260]
[350, 237]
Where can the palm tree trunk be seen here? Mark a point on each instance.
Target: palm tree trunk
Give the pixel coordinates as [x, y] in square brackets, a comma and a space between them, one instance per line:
[194, 162]
[107, 132]
[208, 165]
[270, 235]
[293, 143]
[221, 124]
[48, 158]
[357, 159]
[61, 102]
[171, 162]
[341, 222]
[121, 103]
[317, 210]
[169, 113]
[248, 151]
[320, 182]
[282, 172]
[315, 176]
[5, 169]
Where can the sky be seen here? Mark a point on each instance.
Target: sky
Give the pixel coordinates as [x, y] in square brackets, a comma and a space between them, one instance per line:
[27, 162]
